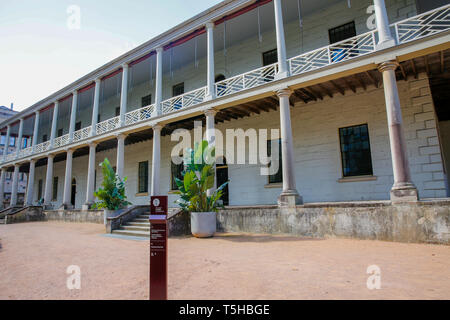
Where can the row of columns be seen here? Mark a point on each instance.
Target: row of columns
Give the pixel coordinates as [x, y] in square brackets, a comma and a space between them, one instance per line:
[403, 188]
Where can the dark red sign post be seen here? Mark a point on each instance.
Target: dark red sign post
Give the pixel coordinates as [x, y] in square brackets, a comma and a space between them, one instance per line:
[158, 248]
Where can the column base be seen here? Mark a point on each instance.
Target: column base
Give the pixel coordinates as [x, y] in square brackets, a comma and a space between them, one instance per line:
[47, 206]
[404, 193]
[66, 207]
[87, 206]
[289, 198]
[385, 44]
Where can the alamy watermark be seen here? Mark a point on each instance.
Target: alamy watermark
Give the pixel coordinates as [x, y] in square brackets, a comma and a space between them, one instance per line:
[73, 281]
[74, 17]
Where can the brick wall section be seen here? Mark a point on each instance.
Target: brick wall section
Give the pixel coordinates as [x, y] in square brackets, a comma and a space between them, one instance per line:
[428, 163]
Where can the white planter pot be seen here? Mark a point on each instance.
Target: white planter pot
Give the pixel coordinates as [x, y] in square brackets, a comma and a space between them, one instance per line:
[203, 224]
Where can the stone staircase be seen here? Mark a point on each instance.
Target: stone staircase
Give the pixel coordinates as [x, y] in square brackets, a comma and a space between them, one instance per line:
[138, 227]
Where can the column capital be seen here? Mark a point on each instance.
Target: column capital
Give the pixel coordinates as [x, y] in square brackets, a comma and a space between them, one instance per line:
[210, 112]
[56, 103]
[121, 135]
[33, 160]
[210, 25]
[159, 50]
[37, 112]
[286, 92]
[98, 81]
[16, 165]
[157, 127]
[125, 65]
[50, 156]
[74, 93]
[93, 144]
[70, 150]
[388, 65]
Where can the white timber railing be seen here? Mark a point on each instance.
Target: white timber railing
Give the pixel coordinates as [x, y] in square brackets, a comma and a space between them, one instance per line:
[139, 115]
[107, 125]
[334, 53]
[82, 134]
[247, 80]
[414, 28]
[183, 101]
[423, 25]
[61, 141]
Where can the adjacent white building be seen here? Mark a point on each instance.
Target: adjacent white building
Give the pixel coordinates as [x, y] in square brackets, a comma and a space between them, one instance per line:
[356, 88]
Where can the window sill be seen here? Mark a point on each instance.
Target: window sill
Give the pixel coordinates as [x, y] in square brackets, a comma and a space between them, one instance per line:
[142, 194]
[273, 186]
[357, 179]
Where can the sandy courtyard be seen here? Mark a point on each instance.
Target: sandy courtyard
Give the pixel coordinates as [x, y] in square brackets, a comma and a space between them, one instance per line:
[34, 258]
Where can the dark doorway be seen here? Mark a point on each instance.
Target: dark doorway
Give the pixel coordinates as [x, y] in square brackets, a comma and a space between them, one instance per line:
[222, 177]
[74, 192]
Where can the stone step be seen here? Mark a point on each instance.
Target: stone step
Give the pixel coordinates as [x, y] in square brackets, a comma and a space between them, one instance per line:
[133, 233]
[140, 220]
[135, 228]
[138, 224]
[143, 216]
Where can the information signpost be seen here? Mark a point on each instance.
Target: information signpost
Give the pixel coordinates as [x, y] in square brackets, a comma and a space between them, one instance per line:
[158, 248]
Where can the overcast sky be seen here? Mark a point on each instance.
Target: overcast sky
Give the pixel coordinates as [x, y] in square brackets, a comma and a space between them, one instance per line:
[42, 50]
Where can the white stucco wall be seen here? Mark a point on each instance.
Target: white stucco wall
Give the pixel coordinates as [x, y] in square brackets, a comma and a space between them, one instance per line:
[316, 148]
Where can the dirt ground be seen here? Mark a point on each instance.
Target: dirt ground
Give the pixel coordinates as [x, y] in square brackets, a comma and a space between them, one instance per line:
[34, 258]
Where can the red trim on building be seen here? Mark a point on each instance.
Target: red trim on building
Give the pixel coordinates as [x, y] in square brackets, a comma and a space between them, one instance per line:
[242, 11]
[89, 86]
[47, 107]
[148, 55]
[185, 38]
[65, 98]
[112, 74]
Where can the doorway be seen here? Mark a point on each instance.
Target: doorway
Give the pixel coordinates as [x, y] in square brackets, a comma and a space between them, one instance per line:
[74, 192]
[222, 177]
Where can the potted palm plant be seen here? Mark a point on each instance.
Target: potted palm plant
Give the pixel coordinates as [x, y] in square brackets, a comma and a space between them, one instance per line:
[111, 195]
[198, 178]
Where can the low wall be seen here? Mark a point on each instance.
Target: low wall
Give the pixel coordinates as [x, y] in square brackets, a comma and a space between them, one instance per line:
[27, 214]
[420, 222]
[92, 216]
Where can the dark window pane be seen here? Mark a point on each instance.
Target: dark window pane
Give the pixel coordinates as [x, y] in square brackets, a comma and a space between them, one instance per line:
[117, 111]
[39, 189]
[143, 177]
[177, 170]
[270, 57]
[178, 89]
[55, 189]
[78, 126]
[60, 132]
[355, 151]
[146, 101]
[278, 176]
[343, 32]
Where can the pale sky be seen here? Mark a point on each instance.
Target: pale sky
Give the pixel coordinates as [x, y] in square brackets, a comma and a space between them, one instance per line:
[41, 52]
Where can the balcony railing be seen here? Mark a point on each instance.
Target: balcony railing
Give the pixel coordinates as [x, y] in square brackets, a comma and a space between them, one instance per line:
[337, 52]
[183, 101]
[417, 27]
[139, 115]
[247, 80]
[107, 125]
[61, 141]
[82, 134]
[423, 25]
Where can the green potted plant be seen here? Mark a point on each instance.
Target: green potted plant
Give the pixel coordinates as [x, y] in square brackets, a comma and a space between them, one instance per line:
[198, 178]
[111, 195]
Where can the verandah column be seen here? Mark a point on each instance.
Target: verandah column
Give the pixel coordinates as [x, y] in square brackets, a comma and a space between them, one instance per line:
[95, 107]
[156, 162]
[19, 138]
[120, 163]
[289, 195]
[30, 187]
[403, 189]
[211, 73]
[124, 94]
[73, 115]
[2, 187]
[281, 43]
[68, 180]
[15, 185]
[8, 135]
[48, 181]
[36, 129]
[158, 86]
[54, 124]
[384, 33]
[91, 177]
[211, 138]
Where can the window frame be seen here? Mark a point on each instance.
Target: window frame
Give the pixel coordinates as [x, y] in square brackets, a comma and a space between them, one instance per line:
[145, 184]
[343, 175]
[280, 168]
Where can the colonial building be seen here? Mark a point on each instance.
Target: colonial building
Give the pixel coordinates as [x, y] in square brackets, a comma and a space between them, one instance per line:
[358, 90]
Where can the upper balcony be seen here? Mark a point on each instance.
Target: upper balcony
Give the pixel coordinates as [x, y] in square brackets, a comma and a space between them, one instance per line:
[318, 34]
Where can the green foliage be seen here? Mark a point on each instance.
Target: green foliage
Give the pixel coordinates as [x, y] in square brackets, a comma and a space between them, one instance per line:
[198, 177]
[112, 193]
